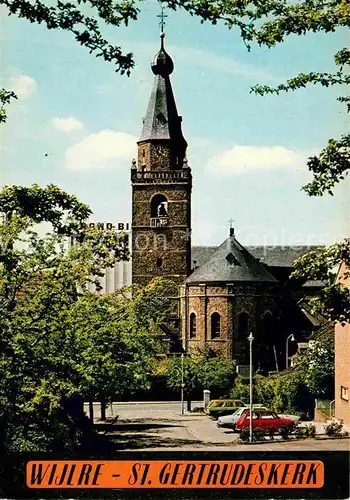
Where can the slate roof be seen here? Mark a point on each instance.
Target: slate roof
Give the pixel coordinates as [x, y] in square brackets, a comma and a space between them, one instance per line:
[274, 256]
[162, 121]
[231, 262]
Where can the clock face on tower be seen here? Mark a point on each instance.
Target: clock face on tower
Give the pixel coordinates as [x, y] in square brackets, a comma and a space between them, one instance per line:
[160, 157]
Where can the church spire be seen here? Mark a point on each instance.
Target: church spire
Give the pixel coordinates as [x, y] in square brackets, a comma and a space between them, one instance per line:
[162, 124]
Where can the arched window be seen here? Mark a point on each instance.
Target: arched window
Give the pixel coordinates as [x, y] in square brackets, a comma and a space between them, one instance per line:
[159, 262]
[159, 206]
[193, 325]
[266, 325]
[243, 326]
[215, 325]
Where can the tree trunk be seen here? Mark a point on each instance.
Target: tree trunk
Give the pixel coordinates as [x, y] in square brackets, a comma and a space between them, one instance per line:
[188, 405]
[103, 411]
[91, 410]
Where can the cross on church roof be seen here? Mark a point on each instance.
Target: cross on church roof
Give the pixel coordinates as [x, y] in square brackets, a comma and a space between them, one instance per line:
[162, 17]
[232, 231]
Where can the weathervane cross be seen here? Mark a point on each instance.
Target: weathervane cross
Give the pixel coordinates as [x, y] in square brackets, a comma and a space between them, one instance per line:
[162, 17]
[231, 221]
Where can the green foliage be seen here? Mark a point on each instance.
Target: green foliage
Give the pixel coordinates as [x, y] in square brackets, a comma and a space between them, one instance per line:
[330, 166]
[334, 428]
[5, 99]
[58, 340]
[284, 392]
[84, 21]
[286, 430]
[240, 389]
[333, 302]
[269, 23]
[310, 430]
[50, 204]
[258, 434]
[265, 23]
[317, 366]
[201, 371]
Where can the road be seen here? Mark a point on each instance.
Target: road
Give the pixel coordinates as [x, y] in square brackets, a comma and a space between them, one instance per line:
[161, 426]
[132, 410]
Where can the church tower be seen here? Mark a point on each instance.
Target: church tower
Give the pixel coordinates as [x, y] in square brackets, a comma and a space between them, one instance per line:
[161, 186]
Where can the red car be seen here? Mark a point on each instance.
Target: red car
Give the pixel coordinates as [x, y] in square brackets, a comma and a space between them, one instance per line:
[263, 419]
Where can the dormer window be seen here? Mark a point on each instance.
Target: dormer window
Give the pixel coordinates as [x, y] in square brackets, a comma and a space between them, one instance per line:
[231, 259]
[161, 119]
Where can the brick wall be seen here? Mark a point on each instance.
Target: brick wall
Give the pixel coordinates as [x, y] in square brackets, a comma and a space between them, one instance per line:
[204, 300]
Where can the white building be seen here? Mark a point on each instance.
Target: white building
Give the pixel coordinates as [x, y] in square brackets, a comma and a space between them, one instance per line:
[120, 275]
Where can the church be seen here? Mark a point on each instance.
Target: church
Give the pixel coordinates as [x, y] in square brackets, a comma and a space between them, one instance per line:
[228, 291]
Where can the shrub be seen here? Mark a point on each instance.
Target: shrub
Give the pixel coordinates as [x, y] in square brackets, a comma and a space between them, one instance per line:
[334, 428]
[258, 434]
[285, 430]
[244, 435]
[301, 432]
[310, 431]
[271, 432]
[283, 392]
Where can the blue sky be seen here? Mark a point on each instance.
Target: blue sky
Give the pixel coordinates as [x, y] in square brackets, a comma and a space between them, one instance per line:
[247, 153]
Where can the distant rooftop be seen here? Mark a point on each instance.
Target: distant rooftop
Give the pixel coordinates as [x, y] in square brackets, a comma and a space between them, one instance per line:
[231, 262]
[274, 256]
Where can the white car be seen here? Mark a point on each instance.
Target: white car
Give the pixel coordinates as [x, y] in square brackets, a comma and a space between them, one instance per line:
[295, 418]
[230, 420]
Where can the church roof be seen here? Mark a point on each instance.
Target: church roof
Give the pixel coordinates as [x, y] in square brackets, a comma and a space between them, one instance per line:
[231, 262]
[162, 121]
[273, 256]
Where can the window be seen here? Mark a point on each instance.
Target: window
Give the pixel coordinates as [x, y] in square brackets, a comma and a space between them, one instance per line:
[159, 206]
[215, 325]
[243, 326]
[344, 393]
[159, 262]
[193, 325]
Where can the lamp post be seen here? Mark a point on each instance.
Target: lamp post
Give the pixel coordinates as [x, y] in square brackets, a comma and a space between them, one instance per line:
[290, 337]
[182, 383]
[250, 339]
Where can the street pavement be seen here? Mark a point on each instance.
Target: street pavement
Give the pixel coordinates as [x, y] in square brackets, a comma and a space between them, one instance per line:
[161, 426]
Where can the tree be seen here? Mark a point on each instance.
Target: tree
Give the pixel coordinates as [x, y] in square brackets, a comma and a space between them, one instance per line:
[59, 341]
[5, 99]
[322, 265]
[270, 23]
[317, 365]
[201, 370]
[83, 20]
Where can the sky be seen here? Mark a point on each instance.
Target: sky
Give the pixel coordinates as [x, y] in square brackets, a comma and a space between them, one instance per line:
[77, 121]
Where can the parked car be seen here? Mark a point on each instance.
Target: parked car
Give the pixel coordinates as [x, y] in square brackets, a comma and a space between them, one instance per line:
[263, 419]
[219, 407]
[295, 418]
[230, 420]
